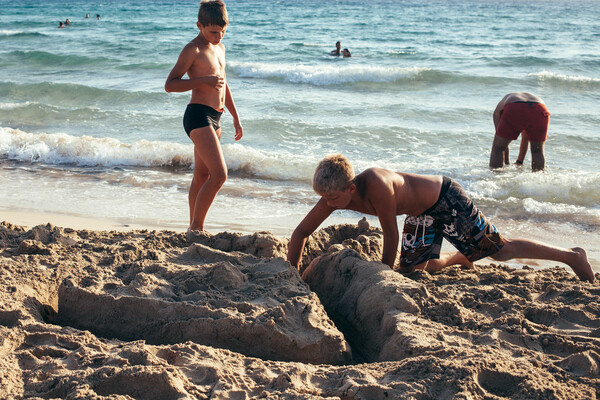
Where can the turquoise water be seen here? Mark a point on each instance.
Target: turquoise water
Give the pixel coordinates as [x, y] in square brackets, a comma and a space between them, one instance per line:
[86, 128]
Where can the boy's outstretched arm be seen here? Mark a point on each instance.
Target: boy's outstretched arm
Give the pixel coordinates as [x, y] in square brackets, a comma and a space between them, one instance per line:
[175, 83]
[385, 207]
[309, 224]
[230, 104]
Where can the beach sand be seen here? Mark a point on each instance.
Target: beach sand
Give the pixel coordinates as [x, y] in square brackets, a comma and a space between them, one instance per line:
[91, 310]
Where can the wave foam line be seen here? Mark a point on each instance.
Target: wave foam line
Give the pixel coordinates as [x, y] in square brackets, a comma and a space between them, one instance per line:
[577, 80]
[60, 148]
[8, 32]
[87, 151]
[325, 75]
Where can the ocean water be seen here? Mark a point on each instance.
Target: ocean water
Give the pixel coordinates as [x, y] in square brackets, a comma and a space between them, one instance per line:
[86, 128]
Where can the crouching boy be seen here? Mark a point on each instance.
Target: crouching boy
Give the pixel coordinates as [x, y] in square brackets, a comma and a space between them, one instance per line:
[436, 207]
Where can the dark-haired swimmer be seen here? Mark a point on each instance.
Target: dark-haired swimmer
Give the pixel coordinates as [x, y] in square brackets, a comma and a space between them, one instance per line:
[337, 51]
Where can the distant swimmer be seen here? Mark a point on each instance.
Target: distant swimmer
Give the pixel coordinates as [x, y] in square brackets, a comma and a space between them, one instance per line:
[97, 16]
[520, 113]
[60, 25]
[68, 22]
[346, 53]
[337, 51]
[87, 15]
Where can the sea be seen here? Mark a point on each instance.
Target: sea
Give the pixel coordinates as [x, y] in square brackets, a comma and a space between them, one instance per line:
[87, 130]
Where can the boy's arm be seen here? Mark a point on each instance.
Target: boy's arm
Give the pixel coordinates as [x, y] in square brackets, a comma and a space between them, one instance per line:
[313, 219]
[175, 83]
[384, 202]
[230, 104]
[523, 147]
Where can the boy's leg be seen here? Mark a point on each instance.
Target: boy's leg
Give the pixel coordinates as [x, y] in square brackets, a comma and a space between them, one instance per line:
[445, 260]
[210, 173]
[538, 160]
[499, 147]
[576, 257]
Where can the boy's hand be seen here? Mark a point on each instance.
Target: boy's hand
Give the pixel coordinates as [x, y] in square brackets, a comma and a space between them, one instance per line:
[215, 81]
[239, 130]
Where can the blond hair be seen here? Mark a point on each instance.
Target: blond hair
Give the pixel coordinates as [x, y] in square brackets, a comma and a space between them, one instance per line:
[333, 174]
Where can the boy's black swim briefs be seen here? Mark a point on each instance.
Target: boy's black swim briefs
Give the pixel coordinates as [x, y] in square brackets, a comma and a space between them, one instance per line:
[200, 115]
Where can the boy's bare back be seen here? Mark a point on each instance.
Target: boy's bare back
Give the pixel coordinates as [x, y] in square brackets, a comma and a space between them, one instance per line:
[411, 194]
[375, 191]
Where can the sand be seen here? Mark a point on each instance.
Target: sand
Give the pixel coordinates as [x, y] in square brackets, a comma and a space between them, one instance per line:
[141, 314]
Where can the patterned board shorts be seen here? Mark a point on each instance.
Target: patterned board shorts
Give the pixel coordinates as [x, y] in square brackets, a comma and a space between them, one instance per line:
[455, 218]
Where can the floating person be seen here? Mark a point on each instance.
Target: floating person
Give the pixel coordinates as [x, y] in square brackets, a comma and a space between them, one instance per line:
[346, 53]
[60, 25]
[97, 16]
[520, 113]
[68, 22]
[436, 207]
[336, 52]
[203, 59]
[87, 15]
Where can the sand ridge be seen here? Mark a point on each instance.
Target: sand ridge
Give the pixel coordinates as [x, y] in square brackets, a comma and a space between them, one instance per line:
[164, 315]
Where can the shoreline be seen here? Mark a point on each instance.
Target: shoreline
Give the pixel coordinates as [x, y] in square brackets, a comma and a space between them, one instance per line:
[32, 219]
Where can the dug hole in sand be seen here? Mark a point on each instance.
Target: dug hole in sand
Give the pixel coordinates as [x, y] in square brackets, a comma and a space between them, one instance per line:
[158, 315]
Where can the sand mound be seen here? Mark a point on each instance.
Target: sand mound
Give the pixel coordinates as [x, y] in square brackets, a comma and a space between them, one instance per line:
[162, 315]
[258, 307]
[363, 238]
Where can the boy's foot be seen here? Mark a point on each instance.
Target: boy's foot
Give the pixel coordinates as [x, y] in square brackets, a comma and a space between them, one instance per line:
[195, 236]
[581, 266]
[467, 265]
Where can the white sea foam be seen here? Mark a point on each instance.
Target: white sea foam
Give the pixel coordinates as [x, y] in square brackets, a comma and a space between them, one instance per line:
[9, 32]
[324, 75]
[558, 190]
[60, 149]
[551, 76]
[12, 105]
[280, 165]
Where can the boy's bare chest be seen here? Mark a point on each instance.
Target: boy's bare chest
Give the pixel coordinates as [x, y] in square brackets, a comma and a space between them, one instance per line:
[364, 206]
[208, 61]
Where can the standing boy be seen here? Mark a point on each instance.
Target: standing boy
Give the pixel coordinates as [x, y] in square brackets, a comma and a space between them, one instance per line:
[203, 59]
[436, 207]
[520, 113]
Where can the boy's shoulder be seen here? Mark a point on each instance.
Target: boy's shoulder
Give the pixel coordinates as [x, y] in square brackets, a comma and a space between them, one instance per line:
[378, 174]
[194, 47]
[373, 180]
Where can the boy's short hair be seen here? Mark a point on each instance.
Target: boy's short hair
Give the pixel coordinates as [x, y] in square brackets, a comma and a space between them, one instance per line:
[213, 12]
[333, 174]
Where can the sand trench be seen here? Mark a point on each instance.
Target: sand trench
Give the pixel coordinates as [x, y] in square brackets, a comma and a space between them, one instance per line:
[161, 315]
